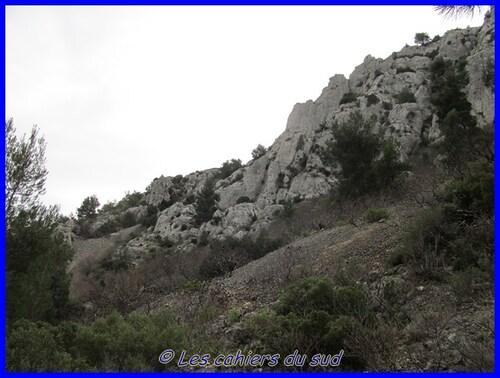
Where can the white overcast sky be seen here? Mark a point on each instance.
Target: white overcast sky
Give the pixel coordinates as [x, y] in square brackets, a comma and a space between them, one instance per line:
[126, 94]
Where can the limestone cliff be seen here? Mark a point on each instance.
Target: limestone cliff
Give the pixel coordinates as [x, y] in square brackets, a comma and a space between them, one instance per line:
[292, 167]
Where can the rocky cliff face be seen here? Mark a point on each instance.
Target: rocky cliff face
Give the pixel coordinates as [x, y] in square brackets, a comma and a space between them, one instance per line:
[292, 167]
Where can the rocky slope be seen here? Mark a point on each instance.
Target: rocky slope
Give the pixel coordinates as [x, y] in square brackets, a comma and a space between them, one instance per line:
[292, 167]
[438, 331]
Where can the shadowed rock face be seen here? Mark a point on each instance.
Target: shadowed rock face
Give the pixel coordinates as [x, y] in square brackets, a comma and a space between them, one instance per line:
[292, 167]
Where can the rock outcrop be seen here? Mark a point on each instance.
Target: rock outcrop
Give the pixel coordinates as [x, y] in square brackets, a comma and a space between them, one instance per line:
[292, 168]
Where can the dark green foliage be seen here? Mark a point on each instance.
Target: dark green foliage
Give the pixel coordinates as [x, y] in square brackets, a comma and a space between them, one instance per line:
[108, 227]
[463, 141]
[259, 151]
[190, 198]
[347, 98]
[88, 208]
[36, 257]
[319, 318]
[372, 99]
[165, 242]
[388, 167]
[25, 171]
[300, 143]
[387, 105]
[404, 69]
[38, 346]
[448, 81]
[133, 199]
[206, 202]
[128, 219]
[228, 167]
[405, 96]
[113, 343]
[368, 162]
[475, 192]
[376, 214]
[231, 253]
[37, 284]
[117, 262]
[243, 199]
[451, 235]
[151, 217]
[280, 179]
[422, 39]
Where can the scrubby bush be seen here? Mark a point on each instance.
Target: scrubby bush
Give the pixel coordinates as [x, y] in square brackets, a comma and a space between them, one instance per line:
[376, 214]
[372, 99]
[258, 152]
[319, 318]
[405, 96]
[422, 39]
[404, 69]
[229, 167]
[151, 216]
[128, 219]
[243, 199]
[347, 98]
[109, 226]
[229, 253]
[39, 347]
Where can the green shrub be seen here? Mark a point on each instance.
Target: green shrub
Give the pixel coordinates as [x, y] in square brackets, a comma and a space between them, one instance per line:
[229, 167]
[403, 70]
[36, 347]
[258, 152]
[243, 199]
[192, 285]
[347, 98]
[405, 96]
[128, 219]
[151, 216]
[206, 202]
[372, 99]
[314, 315]
[234, 315]
[387, 105]
[132, 344]
[119, 261]
[425, 241]
[165, 242]
[109, 226]
[376, 214]
[475, 192]
[397, 257]
[422, 39]
[280, 179]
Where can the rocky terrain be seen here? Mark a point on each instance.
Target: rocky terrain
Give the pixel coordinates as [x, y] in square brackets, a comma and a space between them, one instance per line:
[435, 329]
